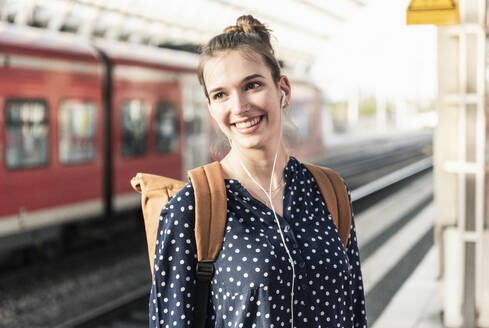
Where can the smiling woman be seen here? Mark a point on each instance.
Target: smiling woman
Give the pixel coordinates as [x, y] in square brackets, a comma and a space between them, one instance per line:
[298, 275]
[245, 89]
[245, 102]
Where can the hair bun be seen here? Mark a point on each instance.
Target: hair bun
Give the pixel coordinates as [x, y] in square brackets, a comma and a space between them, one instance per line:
[248, 35]
[249, 24]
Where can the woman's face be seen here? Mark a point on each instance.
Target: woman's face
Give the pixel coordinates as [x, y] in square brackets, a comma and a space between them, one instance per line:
[244, 100]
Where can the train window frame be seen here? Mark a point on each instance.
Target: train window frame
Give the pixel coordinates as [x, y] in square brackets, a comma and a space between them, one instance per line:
[93, 137]
[163, 105]
[147, 105]
[47, 137]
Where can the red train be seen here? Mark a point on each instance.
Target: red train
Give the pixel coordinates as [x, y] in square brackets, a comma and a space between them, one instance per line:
[79, 119]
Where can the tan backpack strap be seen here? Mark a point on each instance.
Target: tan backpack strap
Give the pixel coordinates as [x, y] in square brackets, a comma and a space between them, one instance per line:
[210, 210]
[155, 192]
[335, 194]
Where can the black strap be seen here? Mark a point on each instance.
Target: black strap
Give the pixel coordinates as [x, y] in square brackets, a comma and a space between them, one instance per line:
[204, 272]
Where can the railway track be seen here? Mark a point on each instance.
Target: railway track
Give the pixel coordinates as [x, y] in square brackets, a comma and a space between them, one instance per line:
[367, 164]
[128, 310]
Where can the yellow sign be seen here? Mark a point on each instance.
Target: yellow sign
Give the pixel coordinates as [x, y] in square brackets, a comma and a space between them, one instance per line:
[438, 12]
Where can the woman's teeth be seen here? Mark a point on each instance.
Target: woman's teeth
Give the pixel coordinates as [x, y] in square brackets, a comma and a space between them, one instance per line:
[247, 124]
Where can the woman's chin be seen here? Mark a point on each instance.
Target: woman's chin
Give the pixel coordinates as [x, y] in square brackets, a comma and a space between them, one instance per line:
[254, 142]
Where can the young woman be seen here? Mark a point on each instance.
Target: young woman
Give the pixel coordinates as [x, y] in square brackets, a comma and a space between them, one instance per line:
[282, 263]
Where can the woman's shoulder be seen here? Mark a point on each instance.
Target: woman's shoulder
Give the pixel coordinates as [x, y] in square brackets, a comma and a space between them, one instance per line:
[296, 168]
[182, 202]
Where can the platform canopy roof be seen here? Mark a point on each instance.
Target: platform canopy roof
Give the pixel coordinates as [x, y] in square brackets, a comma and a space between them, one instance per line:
[301, 27]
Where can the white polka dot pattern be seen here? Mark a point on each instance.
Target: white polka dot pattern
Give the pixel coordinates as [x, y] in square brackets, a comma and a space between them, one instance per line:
[252, 283]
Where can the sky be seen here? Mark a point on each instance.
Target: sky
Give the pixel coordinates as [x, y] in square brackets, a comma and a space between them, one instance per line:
[377, 53]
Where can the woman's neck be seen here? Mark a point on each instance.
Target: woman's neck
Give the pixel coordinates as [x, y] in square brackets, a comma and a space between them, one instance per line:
[259, 164]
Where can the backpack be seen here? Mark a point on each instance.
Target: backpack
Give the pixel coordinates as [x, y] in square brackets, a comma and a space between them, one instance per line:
[210, 215]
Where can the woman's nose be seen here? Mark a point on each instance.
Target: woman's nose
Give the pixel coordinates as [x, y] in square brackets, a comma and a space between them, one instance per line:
[239, 104]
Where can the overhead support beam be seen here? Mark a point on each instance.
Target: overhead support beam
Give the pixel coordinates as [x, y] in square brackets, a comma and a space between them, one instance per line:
[276, 20]
[22, 17]
[131, 13]
[186, 24]
[156, 33]
[59, 15]
[137, 34]
[3, 5]
[113, 31]
[322, 10]
[359, 3]
[88, 26]
[182, 34]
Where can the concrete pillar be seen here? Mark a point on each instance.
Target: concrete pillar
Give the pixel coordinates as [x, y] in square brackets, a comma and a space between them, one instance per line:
[460, 166]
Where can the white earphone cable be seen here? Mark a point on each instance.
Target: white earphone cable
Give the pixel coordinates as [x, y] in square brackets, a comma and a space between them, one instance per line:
[280, 230]
[269, 196]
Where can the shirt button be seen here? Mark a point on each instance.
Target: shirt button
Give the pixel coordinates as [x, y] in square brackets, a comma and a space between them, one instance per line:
[295, 245]
[302, 264]
[304, 286]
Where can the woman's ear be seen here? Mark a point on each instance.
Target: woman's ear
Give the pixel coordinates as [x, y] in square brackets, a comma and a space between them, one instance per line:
[284, 85]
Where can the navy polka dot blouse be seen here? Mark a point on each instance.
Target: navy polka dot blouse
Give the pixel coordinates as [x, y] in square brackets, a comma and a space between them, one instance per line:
[251, 287]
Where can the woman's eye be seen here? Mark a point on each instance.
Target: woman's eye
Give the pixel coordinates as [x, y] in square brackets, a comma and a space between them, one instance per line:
[218, 96]
[253, 85]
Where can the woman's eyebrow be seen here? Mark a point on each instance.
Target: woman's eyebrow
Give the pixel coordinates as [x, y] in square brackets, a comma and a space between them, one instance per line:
[249, 77]
[215, 90]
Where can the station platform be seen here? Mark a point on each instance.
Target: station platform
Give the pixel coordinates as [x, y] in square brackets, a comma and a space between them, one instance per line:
[417, 303]
[399, 259]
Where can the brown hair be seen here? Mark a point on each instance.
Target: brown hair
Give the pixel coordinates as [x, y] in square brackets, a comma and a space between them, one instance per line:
[250, 35]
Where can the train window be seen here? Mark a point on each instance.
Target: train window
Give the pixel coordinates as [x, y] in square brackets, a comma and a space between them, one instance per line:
[27, 133]
[76, 121]
[166, 128]
[134, 136]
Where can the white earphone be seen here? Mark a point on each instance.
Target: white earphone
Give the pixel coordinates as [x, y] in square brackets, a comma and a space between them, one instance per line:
[282, 100]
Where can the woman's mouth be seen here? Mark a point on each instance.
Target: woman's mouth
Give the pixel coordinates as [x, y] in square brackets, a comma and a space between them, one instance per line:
[248, 125]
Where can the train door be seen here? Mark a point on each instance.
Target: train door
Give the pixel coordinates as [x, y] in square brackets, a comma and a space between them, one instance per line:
[147, 128]
[50, 165]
